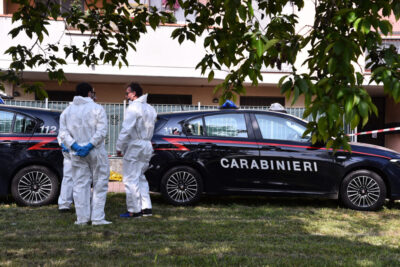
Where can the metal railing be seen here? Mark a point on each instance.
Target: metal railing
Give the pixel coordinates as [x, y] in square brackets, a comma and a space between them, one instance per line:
[115, 113]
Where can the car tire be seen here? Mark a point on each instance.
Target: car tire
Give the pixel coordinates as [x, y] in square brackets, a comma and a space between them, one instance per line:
[35, 186]
[182, 186]
[363, 190]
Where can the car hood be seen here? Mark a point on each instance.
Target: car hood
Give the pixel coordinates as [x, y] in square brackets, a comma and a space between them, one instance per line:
[374, 149]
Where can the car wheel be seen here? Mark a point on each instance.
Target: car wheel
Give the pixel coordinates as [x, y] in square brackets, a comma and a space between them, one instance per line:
[35, 186]
[182, 186]
[363, 190]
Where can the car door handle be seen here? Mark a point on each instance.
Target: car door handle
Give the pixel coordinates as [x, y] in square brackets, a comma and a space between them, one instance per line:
[208, 145]
[341, 157]
[271, 148]
[9, 142]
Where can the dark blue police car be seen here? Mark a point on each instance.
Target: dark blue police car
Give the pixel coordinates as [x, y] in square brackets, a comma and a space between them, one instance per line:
[263, 152]
[30, 158]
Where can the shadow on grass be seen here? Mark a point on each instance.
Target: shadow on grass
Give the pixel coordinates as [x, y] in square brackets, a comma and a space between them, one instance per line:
[211, 233]
[6, 200]
[258, 201]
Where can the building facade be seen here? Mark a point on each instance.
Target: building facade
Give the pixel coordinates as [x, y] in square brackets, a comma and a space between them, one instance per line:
[166, 70]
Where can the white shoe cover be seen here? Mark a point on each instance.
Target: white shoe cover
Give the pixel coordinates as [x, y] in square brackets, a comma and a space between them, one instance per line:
[101, 222]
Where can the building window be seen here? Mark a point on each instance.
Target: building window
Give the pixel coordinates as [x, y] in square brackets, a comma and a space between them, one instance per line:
[177, 11]
[169, 99]
[386, 43]
[61, 95]
[65, 5]
[260, 100]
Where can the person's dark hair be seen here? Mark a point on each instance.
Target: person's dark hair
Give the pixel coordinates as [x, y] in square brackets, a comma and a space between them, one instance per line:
[83, 89]
[135, 87]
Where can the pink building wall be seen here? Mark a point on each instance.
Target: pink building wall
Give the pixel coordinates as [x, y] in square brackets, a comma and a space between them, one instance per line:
[396, 25]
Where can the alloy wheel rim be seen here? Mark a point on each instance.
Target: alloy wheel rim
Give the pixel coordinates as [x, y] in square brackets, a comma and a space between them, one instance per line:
[182, 186]
[363, 191]
[34, 187]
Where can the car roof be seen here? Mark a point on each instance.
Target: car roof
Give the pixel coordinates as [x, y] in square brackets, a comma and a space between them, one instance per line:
[30, 110]
[216, 111]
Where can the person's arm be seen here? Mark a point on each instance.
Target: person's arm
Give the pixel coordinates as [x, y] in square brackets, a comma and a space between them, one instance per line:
[101, 127]
[127, 127]
[64, 136]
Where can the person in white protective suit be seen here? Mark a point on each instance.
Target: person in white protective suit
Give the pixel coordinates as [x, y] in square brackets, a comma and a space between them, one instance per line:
[83, 129]
[134, 144]
[65, 199]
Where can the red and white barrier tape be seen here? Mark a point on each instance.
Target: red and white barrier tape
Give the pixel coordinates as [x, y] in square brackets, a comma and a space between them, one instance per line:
[376, 131]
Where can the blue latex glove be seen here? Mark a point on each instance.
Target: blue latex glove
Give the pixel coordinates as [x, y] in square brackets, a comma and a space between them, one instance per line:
[64, 148]
[84, 151]
[76, 147]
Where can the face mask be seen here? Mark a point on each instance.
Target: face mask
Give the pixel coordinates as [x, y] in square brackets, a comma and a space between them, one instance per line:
[93, 96]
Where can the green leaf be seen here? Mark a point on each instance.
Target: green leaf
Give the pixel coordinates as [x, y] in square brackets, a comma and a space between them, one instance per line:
[313, 139]
[259, 47]
[154, 21]
[323, 81]
[351, 16]
[296, 94]
[286, 86]
[396, 10]
[338, 47]
[333, 111]
[329, 47]
[331, 65]
[363, 109]
[364, 121]
[250, 8]
[365, 26]
[357, 23]
[356, 100]
[281, 80]
[385, 27]
[349, 105]
[181, 38]
[396, 91]
[302, 85]
[242, 13]
[270, 44]
[307, 113]
[355, 121]
[210, 76]
[322, 125]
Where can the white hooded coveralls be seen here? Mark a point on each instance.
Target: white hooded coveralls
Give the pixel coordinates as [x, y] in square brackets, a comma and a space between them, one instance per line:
[134, 142]
[65, 199]
[85, 122]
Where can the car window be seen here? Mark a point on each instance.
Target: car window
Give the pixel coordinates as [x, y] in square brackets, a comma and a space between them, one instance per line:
[24, 124]
[195, 127]
[228, 125]
[6, 119]
[273, 127]
[169, 127]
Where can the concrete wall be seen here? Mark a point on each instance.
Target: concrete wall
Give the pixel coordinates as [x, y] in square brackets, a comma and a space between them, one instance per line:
[115, 92]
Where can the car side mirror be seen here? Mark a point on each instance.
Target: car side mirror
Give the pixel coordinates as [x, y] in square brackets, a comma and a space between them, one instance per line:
[187, 130]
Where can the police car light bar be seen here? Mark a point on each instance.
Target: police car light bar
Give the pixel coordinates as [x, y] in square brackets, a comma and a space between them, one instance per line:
[277, 107]
[228, 104]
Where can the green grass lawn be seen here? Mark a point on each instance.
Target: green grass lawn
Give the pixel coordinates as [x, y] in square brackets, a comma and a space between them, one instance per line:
[224, 231]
